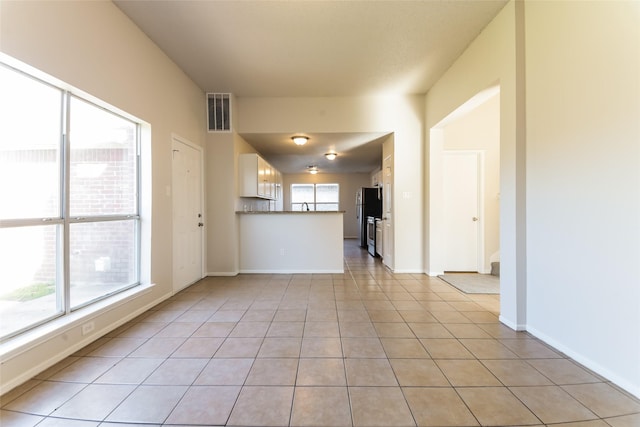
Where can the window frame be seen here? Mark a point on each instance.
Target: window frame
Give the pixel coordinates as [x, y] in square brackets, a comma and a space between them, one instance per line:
[63, 221]
[86, 219]
[314, 204]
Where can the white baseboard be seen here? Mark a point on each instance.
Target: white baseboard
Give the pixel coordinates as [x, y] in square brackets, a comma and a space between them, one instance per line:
[408, 271]
[622, 382]
[440, 273]
[222, 273]
[64, 325]
[334, 271]
[513, 325]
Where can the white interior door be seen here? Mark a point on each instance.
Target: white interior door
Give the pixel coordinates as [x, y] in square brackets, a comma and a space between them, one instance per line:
[387, 212]
[188, 221]
[461, 194]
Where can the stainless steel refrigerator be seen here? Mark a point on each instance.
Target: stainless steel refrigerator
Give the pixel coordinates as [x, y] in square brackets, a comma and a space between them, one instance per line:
[368, 203]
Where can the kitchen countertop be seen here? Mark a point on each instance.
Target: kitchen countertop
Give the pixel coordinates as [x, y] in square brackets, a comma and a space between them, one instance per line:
[288, 212]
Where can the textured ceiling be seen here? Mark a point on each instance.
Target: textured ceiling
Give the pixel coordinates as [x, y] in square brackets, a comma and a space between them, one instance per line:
[301, 48]
[357, 152]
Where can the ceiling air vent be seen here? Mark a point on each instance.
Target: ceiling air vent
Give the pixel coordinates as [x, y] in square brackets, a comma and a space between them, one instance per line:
[219, 112]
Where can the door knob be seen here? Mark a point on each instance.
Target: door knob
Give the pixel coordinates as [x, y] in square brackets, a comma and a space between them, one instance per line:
[474, 218]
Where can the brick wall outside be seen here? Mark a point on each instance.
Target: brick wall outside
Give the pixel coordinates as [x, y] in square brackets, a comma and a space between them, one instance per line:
[100, 252]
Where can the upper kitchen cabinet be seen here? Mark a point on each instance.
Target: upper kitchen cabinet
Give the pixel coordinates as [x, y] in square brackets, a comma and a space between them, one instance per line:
[278, 185]
[257, 178]
[376, 179]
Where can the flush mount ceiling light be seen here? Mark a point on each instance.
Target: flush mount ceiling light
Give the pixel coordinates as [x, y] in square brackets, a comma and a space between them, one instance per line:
[300, 140]
[312, 169]
[331, 156]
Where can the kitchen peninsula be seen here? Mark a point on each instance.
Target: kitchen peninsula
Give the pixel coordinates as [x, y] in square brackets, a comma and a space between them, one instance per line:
[287, 242]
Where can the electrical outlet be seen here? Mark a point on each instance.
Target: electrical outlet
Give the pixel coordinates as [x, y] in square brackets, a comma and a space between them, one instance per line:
[88, 328]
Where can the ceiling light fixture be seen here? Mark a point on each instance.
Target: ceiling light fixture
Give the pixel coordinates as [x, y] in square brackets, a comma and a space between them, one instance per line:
[313, 169]
[331, 156]
[300, 140]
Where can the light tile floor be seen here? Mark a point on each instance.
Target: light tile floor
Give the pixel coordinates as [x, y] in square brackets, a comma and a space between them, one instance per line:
[363, 348]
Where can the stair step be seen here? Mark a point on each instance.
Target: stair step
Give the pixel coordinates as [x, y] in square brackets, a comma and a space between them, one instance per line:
[495, 268]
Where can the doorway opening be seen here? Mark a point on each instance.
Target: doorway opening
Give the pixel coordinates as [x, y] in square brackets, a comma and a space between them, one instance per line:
[464, 188]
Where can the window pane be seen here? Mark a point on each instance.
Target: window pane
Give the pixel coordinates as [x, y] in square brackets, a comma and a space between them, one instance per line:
[103, 259]
[327, 193]
[103, 162]
[30, 129]
[327, 207]
[27, 276]
[301, 193]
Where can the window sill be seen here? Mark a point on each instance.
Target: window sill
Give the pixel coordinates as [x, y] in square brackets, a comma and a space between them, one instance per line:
[30, 339]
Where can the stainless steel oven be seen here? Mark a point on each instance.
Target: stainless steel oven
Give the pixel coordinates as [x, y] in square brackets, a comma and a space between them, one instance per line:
[371, 235]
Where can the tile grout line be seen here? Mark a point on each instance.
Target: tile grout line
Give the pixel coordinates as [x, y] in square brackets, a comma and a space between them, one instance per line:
[367, 280]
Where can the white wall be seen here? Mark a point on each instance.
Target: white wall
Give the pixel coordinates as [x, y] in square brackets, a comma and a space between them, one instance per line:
[97, 49]
[576, 181]
[583, 175]
[221, 226]
[349, 185]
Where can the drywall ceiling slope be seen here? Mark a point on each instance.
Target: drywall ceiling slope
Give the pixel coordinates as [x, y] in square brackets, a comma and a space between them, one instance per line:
[256, 48]
[312, 48]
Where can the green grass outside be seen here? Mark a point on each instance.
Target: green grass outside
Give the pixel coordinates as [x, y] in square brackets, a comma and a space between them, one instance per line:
[29, 293]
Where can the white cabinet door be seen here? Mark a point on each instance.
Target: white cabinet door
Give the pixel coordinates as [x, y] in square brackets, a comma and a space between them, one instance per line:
[268, 180]
[248, 175]
[278, 185]
[262, 177]
[257, 178]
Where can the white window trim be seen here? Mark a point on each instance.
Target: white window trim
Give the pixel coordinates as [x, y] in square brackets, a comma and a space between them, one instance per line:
[36, 334]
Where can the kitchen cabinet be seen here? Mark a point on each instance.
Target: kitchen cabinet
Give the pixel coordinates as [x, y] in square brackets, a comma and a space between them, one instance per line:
[376, 179]
[257, 178]
[277, 185]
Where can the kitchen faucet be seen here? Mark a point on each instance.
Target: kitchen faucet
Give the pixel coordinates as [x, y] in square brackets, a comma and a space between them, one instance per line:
[302, 206]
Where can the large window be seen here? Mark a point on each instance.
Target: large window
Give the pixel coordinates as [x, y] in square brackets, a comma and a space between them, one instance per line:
[69, 202]
[315, 197]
